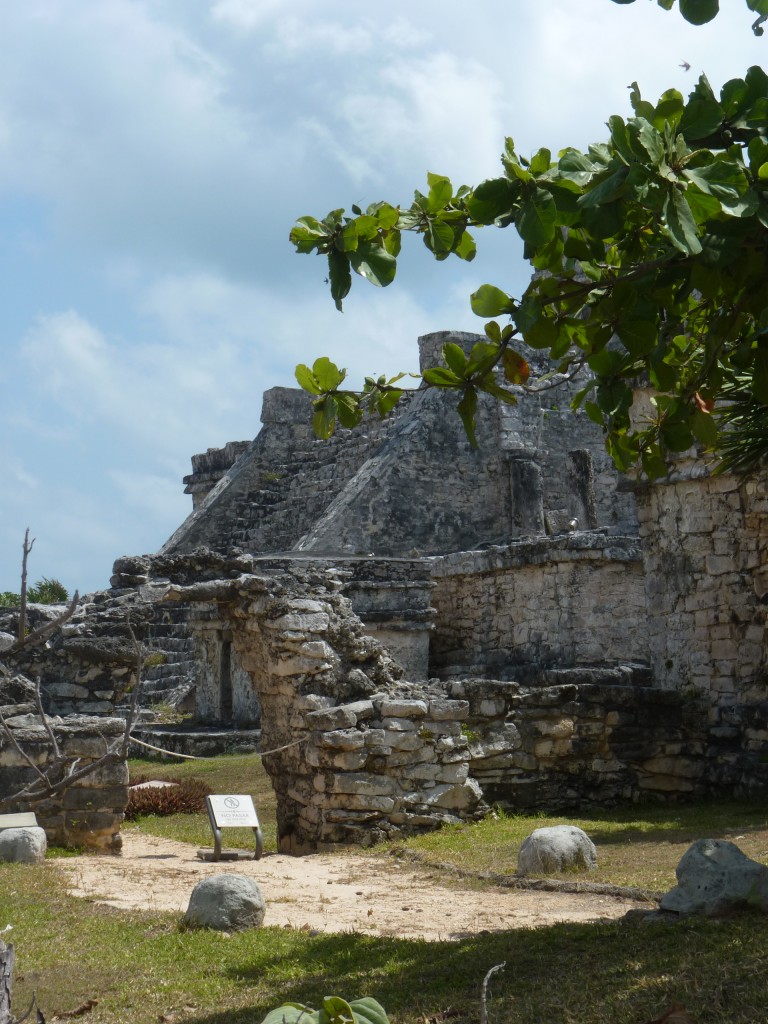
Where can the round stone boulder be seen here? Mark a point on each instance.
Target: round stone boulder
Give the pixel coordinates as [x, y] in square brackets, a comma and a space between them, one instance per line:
[226, 903]
[715, 878]
[23, 845]
[548, 851]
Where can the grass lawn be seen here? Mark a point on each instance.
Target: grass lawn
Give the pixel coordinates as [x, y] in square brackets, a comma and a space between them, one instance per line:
[143, 967]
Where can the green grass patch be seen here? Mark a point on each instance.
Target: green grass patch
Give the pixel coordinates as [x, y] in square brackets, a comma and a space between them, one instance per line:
[142, 967]
[639, 846]
[236, 773]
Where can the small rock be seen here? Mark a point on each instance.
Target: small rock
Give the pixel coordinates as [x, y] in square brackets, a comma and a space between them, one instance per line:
[23, 845]
[559, 848]
[714, 877]
[227, 903]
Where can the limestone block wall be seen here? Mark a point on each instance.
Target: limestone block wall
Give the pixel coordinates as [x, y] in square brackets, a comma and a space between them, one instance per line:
[567, 600]
[584, 738]
[384, 766]
[89, 813]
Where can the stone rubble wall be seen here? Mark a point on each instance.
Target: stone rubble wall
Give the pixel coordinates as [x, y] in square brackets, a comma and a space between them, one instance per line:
[705, 545]
[568, 600]
[281, 484]
[89, 813]
[583, 738]
[89, 664]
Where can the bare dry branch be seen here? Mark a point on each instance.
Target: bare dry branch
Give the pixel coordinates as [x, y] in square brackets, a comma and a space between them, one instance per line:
[9, 733]
[40, 635]
[27, 547]
[45, 723]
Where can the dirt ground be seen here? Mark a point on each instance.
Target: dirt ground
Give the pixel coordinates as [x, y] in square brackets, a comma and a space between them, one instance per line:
[330, 893]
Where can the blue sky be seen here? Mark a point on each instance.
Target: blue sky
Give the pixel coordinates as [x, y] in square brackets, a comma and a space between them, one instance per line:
[153, 157]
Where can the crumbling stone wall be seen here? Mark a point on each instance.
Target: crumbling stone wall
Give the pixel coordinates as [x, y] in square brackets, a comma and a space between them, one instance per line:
[306, 655]
[89, 812]
[584, 738]
[568, 600]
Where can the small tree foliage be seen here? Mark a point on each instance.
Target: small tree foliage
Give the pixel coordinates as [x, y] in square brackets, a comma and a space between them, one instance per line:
[649, 253]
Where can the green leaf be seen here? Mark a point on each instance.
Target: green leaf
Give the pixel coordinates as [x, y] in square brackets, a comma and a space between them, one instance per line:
[386, 215]
[455, 358]
[439, 237]
[467, 410]
[490, 387]
[493, 200]
[541, 161]
[605, 189]
[482, 357]
[387, 401]
[439, 377]
[440, 192]
[349, 410]
[374, 263]
[306, 233]
[536, 219]
[700, 118]
[327, 374]
[679, 224]
[639, 337]
[324, 418]
[339, 276]
[722, 178]
[704, 428]
[338, 1010]
[307, 379]
[347, 239]
[291, 1013]
[491, 301]
[368, 1011]
[466, 248]
[699, 12]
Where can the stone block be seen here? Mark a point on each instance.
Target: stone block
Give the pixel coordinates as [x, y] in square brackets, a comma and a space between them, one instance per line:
[342, 739]
[368, 785]
[402, 708]
[442, 709]
[23, 845]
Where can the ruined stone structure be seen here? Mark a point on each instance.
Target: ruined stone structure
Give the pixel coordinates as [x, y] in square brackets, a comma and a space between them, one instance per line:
[89, 813]
[421, 629]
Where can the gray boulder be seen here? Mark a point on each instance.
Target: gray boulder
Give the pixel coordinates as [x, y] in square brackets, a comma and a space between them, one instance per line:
[559, 848]
[714, 878]
[227, 903]
[23, 845]
[7, 640]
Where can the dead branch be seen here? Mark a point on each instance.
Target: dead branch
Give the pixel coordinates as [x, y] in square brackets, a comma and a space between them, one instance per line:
[28, 545]
[484, 991]
[41, 634]
[62, 772]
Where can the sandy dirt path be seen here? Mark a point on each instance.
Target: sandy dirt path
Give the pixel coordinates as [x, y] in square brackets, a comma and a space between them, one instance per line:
[330, 893]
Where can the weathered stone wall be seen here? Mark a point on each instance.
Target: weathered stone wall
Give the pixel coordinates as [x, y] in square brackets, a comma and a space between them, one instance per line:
[584, 738]
[88, 813]
[281, 484]
[87, 666]
[567, 600]
[306, 653]
[705, 550]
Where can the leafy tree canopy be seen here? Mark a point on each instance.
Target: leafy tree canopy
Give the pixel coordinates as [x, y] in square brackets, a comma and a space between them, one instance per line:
[649, 253]
[45, 591]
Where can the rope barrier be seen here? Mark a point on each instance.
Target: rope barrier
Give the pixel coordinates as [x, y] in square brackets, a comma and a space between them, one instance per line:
[196, 757]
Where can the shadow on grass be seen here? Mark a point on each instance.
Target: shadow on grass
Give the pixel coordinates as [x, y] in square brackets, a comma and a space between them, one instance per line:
[582, 974]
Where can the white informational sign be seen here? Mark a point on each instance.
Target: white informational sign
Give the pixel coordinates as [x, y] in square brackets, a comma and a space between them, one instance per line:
[232, 811]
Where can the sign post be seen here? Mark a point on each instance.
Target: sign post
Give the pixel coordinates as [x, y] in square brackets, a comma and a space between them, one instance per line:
[231, 812]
